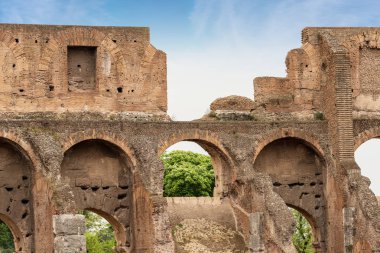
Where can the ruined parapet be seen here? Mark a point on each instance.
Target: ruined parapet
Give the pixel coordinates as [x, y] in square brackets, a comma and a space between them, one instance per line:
[76, 68]
[231, 108]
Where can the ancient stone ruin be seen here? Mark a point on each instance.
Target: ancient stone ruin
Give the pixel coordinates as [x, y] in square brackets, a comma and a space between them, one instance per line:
[83, 124]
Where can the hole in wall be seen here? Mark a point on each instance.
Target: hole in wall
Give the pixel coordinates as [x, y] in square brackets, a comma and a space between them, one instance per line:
[24, 215]
[95, 188]
[51, 87]
[122, 196]
[9, 189]
[25, 201]
[114, 41]
[16, 40]
[21, 90]
[119, 89]
[13, 65]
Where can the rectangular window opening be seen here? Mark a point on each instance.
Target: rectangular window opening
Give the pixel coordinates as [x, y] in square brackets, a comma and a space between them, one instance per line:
[81, 66]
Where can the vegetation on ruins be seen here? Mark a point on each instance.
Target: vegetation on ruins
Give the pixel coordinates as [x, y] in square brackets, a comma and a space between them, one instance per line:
[191, 174]
[6, 239]
[187, 174]
[99, 234]
[302, 236]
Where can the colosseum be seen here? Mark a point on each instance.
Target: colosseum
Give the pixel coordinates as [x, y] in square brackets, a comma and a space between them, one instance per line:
[84, 122]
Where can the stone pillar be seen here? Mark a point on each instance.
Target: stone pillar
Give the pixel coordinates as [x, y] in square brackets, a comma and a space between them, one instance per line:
[349, 220]
[256, 230]
[69, 232]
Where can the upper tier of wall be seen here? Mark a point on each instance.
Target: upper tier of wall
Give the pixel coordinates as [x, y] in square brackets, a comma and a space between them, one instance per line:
[78, 68]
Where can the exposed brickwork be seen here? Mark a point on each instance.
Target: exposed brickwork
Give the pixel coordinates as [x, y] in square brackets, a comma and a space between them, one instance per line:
[83, 124]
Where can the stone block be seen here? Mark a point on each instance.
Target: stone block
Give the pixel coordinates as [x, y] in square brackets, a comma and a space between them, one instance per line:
[70, 244]
[256, 230]
[69, 224]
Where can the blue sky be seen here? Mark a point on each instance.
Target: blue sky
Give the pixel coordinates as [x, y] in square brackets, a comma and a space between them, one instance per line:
[215, 47]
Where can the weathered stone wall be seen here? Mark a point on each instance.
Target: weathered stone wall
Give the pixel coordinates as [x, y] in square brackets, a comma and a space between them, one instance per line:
[73, 68]
[83, 124]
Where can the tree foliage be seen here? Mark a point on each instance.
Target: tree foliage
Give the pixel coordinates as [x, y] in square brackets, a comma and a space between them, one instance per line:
[187, 174]
[99, 234]
[6, 239]
[302, 236]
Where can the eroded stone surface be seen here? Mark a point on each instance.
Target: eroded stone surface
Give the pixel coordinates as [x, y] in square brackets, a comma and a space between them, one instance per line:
[83, 124]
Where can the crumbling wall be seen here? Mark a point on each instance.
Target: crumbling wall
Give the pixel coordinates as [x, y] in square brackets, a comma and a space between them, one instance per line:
[101, 182]
[297, 174]
[72, 68]
[70, 96]
[16, 205]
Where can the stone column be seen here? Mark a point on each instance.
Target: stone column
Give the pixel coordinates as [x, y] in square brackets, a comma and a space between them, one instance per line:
[256, 230]
[349, 220]
[69, 232]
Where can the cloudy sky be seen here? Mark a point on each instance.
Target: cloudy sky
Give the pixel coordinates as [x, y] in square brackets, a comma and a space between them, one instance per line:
[215, 47]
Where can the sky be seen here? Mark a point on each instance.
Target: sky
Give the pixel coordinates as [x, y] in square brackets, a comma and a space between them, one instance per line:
[214, 47]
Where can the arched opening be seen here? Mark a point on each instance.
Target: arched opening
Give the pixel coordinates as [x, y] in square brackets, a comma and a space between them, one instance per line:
[297, 172]
[7, 244]
[303, 235]
[100, 176]
[100, 232]
[194, 168]
[367, 157]
[15, 195]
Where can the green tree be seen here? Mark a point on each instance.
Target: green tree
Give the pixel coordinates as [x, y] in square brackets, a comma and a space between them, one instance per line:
[187, 174]
[6, 239]
[99, 234]
[302, 236]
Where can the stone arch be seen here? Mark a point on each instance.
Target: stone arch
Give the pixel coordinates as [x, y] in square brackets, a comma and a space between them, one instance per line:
[18, 238]
[23, 146]
[120, 232]
[365, 136]
[17, 190]
[40, 198]
[101, 177]
[316, 230]
[298, 171]
[224, 167]
[93, 134]
[309, 139]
